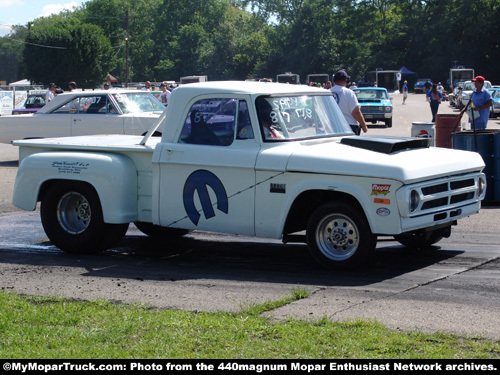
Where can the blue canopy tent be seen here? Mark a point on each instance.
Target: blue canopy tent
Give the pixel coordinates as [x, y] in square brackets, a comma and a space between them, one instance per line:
[405, 71]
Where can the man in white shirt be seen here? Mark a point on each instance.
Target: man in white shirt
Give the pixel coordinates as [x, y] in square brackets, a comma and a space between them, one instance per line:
[348, 102]
[50, 93]
[165, 95]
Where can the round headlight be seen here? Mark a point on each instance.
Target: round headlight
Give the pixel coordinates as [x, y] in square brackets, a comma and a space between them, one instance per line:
[414, 200]
[380, 109]
[388, 109]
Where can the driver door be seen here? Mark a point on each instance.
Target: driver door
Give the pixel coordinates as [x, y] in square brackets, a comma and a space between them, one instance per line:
[208, 180]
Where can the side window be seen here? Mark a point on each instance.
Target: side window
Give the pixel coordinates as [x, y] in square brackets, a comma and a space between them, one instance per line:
[98, 104]
[210, 122]
[69, 107]
[93, 104]
[244, 129]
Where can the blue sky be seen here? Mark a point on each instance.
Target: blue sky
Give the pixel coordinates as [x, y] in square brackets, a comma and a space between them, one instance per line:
[20, 12]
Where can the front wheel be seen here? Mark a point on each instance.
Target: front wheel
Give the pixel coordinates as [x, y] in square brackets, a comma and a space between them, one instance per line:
[338, 236]
[72, 218]
[388, 122]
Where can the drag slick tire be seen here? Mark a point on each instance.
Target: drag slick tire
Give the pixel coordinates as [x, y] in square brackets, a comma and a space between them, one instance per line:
[72, 218]
[339, 236]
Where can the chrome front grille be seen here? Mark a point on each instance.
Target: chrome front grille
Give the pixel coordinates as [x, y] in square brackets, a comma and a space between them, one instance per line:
[444, 194]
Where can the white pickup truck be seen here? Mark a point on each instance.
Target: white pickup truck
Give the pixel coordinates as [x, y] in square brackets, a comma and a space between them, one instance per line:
[256, 159]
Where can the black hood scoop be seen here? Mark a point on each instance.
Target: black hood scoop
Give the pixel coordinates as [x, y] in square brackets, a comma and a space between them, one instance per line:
[386, 145]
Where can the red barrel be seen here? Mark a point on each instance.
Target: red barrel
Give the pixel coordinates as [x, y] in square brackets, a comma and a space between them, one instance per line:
[446, 125]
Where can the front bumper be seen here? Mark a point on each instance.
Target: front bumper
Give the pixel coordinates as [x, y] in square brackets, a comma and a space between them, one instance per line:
[376, 116]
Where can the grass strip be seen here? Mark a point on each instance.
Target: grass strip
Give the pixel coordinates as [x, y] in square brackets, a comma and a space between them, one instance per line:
[51, 328]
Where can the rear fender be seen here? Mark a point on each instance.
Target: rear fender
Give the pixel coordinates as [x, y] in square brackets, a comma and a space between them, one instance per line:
[113, 176]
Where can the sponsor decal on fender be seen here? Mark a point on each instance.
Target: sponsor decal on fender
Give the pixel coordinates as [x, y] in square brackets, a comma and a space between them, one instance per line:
[383, 211]
[380, 189]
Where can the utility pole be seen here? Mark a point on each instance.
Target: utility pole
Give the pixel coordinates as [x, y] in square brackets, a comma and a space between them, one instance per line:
[126, 48]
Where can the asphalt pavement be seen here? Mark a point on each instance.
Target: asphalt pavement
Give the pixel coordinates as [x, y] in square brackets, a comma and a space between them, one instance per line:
[454, 288]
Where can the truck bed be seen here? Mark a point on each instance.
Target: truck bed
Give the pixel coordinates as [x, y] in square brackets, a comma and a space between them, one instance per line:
[107, 143]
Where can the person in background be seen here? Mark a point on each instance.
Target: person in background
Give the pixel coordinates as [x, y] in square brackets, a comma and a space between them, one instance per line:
[434, 98]
[50, 93]
[72, 86]
[348, 102]
[165, 95]
[440, 88]
[481, 102]
[106, 86]
[427, 87]
[405, 92]
[147, 86]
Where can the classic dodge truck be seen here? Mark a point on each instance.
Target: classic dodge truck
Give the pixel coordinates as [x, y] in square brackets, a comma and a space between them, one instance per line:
[256, 159]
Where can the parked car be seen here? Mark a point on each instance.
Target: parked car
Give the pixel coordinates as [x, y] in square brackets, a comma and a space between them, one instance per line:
[420, 85]
[468, 89]
[495, 108]
[32, 104]
[85, 113]
[455, 95]
[376, 105]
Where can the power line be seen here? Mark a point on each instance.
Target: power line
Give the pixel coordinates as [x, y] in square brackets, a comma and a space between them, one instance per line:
[45, 46]
[41, 45]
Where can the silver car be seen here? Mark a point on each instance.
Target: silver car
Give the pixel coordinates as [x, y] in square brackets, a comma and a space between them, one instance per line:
[84, 113]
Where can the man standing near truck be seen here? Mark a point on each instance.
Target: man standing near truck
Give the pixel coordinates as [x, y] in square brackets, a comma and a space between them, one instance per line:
[348, 102]
[481, 102]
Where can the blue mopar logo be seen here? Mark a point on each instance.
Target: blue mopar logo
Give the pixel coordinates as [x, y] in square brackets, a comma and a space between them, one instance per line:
[198, 182]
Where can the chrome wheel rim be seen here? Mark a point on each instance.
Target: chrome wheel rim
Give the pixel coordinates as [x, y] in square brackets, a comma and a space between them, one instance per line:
[337, 237]
[74, 213]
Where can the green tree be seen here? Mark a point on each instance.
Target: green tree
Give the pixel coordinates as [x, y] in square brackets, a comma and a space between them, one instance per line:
[11, 50]
[110, 16]
[62, 49]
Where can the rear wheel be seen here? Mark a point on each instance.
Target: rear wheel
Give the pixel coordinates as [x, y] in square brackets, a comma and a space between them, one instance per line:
[72, 218]
[338, 236]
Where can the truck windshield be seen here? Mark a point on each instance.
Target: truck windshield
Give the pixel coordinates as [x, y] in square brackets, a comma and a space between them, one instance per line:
[300, 117]
[142, 101]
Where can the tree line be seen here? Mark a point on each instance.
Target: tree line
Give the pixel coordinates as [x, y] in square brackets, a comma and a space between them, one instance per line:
[160, 40]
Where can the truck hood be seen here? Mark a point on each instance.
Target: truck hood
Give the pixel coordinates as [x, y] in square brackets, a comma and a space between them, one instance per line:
[381, 157]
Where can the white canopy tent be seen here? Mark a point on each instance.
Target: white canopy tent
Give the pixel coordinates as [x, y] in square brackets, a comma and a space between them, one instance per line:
[23, 82]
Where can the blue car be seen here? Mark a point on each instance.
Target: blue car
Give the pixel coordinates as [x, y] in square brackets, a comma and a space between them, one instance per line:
[376, 105]
[495, 108]
[420, 85]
